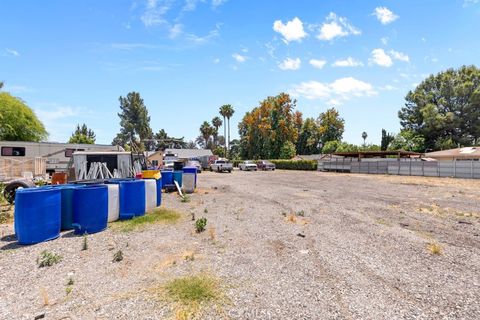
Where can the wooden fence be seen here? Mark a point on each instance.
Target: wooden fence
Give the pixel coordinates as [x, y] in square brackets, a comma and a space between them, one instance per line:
[11, 168]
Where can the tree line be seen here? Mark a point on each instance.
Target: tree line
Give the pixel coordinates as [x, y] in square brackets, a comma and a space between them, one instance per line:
[442, 112]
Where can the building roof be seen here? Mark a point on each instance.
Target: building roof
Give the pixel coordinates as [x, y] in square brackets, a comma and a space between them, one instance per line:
[378, 154]
[189, 153]
[466, 153]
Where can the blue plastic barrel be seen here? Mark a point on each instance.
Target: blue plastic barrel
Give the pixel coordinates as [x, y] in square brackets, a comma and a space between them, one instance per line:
[191, 170]
[132, 198]
[167, 178]
[67, 203]
[177, 176]
[37, 214]
[90, 209]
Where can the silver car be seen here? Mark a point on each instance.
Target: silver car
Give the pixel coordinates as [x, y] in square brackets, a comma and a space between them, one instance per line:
[247, 165]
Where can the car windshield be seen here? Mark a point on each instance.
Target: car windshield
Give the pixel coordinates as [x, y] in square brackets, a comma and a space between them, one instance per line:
[220, 161]
[248, 162]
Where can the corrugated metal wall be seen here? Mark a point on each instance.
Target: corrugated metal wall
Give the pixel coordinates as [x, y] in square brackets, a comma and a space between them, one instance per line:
[457, 169]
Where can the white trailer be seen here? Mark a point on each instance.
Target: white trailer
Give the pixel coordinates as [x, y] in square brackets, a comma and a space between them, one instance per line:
[57, 155]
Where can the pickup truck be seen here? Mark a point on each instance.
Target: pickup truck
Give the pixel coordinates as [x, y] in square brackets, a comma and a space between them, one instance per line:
[221, 165]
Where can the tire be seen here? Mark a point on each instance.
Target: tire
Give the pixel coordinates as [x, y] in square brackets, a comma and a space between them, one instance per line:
[11, 189]
[229, 171]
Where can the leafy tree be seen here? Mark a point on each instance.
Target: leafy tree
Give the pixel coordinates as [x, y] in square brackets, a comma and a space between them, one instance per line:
[364, 137]
[265, 130]
[1, 84]
[206, 131]
[216, 123]
[331, 126]
[227, 112]
[445, 107]
[308, 138]
[288, 150]
[387, 138]
[330, 146]
[18, 122]
[347, 147]
[235, 149]
[163, 141]
[134, 121]
[83, 135]
[408, 140]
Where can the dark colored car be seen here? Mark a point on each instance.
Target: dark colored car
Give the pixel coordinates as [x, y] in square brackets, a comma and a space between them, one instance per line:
[265, 165]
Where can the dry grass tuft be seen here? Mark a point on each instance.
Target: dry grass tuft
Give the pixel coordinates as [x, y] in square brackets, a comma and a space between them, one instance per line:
[212, 233]
[44, 296]
[291, 218]
[195, 289]
[434, 248]
[157, 216]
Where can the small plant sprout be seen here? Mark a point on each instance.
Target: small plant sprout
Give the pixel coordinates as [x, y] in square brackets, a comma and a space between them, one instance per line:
[85, 243]
[118, 256]
[48, 259]
[200, 225]
[301, 213]
[185, 198]
[205, 210]
[434, 248]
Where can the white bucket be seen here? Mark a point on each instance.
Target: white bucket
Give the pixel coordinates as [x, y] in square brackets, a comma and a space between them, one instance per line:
[113, 202]
[150, 194]
[188, 183]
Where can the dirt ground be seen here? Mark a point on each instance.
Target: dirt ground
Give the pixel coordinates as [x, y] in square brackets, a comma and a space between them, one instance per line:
[283, 245]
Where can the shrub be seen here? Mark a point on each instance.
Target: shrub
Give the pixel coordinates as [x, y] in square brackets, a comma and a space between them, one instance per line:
[295, 164]
[200, 225]
[193, 289]
[47, 259]
[118, 256]
[159, 215]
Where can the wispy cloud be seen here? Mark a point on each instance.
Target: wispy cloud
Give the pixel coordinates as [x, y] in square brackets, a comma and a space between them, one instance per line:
[379, 57]
[16, 89]
[336, 27]
[290, 64]
[318, 63]
[155, 11]
[348, 62]
[239, 58]
[9, 52]
[132, 46]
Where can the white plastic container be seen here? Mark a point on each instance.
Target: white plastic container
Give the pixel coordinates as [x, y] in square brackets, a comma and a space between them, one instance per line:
[150, 194]
[113, 202]
[188, 183]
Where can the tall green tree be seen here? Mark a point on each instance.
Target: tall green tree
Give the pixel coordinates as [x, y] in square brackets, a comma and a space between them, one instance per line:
[206, 131]
[1, 84]
[163, 141]
[216, 123]
[445, 107]
[364, 137]
[18, 122]
[408, 140]
[331, 126]
[227, 111]
[134, 121]
[308, 138]
[83, 134]
[387, 138]
[265, 129]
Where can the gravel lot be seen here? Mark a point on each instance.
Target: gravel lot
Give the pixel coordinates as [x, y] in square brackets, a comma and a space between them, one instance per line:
[284, 244]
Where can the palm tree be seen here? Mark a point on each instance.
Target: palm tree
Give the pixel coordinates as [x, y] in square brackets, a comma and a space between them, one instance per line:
[217, 123]
[227, 112]
[206, 130]
[364, 137]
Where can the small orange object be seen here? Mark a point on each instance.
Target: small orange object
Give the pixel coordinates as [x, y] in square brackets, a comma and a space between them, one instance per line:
[59, 178]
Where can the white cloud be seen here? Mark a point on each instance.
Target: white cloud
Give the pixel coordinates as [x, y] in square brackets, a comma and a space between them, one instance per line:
[10, 52]
[154, 12]
[318, 63]
[216, 60]
[204, 39]
[388, 88]
[239, 58]
[191, 5]
[467, 3]
[384, 15]
[340, 90]
[217, 3]
[335, 26]
[175, 31]
[399, 56]
[384, 40]
[54, 112]
[290, 64]
[291, 31]
[380, 58]
[348, 62]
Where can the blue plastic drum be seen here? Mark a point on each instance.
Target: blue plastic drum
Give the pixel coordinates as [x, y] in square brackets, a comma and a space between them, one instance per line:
[132, 198]
[177, 176]
[167, 178]
[67, 203]
[37, 214]
[90, 209]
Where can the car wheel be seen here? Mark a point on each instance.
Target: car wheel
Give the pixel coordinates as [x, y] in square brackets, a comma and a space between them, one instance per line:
[229, 171]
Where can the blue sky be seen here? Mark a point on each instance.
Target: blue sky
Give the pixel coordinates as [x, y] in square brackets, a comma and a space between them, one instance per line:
[71, 60]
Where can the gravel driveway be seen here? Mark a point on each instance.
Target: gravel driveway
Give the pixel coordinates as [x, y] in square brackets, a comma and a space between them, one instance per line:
[284, 244]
